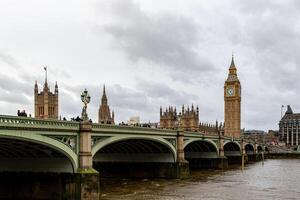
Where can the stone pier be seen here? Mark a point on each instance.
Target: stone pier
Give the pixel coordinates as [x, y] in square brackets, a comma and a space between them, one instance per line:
[182, 165]
[222, 162]
[88, 182]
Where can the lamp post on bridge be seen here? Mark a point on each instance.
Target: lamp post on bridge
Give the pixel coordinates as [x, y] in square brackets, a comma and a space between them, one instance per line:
[89, 178]
[85, 98]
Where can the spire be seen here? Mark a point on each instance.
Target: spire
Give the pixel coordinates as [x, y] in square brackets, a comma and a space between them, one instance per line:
[160, 111]
[56, 88]
[104, 93]
[36, 90]
[232, 65]
[104, 97]
[232, 68]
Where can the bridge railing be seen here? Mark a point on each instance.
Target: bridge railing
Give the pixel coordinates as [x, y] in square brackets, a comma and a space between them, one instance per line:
[201, 133]
[102, 128]
[28, 122]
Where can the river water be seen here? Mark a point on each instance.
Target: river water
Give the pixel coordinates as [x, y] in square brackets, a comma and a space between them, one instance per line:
[275, 179]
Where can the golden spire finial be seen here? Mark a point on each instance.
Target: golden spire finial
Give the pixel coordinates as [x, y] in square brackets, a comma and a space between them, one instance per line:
[232, 65]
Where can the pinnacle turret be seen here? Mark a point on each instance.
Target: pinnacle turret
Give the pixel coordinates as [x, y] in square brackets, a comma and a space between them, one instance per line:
[56, 88]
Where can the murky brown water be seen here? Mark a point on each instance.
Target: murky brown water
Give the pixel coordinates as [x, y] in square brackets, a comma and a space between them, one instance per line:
[276, 179]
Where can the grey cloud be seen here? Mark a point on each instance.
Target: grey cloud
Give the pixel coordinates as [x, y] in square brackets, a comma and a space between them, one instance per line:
[271, 29]
[167, 40]
[21, 99]
[15, 91]
[11, 61]
[12, 85]
[164, 94]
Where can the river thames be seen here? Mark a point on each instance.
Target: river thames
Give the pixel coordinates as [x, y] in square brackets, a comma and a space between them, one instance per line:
[275, 179]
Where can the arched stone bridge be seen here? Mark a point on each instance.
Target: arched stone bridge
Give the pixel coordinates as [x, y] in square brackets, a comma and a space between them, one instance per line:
[35, 145]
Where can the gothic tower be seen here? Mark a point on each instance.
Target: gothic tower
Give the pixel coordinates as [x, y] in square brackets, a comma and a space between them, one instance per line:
[45, 102]
[232, 103]
[104, 116]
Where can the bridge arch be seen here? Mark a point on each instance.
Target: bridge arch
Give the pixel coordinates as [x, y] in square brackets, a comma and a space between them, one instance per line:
[135, 144]
[266, 149]
[259, 148]
[43, 141]
[201, 148]
[232, 148]
[249, 148]
[204, 140]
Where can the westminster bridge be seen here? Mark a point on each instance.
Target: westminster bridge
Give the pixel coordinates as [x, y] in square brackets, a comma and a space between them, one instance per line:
[81, 149]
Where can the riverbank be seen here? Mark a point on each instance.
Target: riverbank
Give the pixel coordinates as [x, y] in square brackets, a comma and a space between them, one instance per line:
[282, 155]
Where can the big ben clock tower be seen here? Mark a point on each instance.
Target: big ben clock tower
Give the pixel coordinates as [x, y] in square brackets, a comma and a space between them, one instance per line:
[232, 103]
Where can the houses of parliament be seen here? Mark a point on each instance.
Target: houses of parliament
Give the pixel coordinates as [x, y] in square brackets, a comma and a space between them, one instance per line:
[46, 106]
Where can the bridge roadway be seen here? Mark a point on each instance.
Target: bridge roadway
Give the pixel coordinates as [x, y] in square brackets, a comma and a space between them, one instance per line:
[34, 145]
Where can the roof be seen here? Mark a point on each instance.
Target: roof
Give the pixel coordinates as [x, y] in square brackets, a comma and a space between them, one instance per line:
[291, 116]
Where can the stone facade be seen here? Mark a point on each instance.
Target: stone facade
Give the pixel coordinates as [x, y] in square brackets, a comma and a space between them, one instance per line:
[186, 120]
[210, 128]
[104, 115]
[45, 102]
[232, 99]
[189, 119]
[289, 127]
[168, 118]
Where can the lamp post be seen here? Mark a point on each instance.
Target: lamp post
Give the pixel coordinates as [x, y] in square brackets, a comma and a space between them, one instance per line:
[85, 98]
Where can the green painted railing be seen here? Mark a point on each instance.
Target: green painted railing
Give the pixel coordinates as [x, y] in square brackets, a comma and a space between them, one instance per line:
[28, 122]
[107, 128]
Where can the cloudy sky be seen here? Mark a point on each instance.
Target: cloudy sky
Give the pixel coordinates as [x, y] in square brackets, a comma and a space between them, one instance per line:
[151, 54]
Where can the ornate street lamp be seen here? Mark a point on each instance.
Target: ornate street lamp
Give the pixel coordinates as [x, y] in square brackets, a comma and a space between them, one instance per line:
[85, 98]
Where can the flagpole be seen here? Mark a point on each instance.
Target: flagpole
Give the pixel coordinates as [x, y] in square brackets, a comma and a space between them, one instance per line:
[45, 68]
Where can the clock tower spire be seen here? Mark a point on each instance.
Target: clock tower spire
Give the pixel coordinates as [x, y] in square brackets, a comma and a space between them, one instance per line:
[232, 102]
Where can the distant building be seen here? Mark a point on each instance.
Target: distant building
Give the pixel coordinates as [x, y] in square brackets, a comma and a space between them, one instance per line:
[187, 120]
[259, 136]
[168, 118]
[104, 115]
[45, 102]
[133, 121]
[211, 128]
[254, 132]
[289, 127]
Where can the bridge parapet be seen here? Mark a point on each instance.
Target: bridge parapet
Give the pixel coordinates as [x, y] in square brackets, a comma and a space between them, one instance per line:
[8, 122]
[200, 134]
[107, 128]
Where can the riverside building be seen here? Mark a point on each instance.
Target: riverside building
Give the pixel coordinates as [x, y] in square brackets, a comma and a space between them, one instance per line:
[289, 127]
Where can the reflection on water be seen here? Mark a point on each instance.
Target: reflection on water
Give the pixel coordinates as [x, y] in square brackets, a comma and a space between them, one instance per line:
[276, 179]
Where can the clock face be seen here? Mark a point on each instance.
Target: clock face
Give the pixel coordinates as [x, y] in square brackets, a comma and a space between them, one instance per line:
[230, 92]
